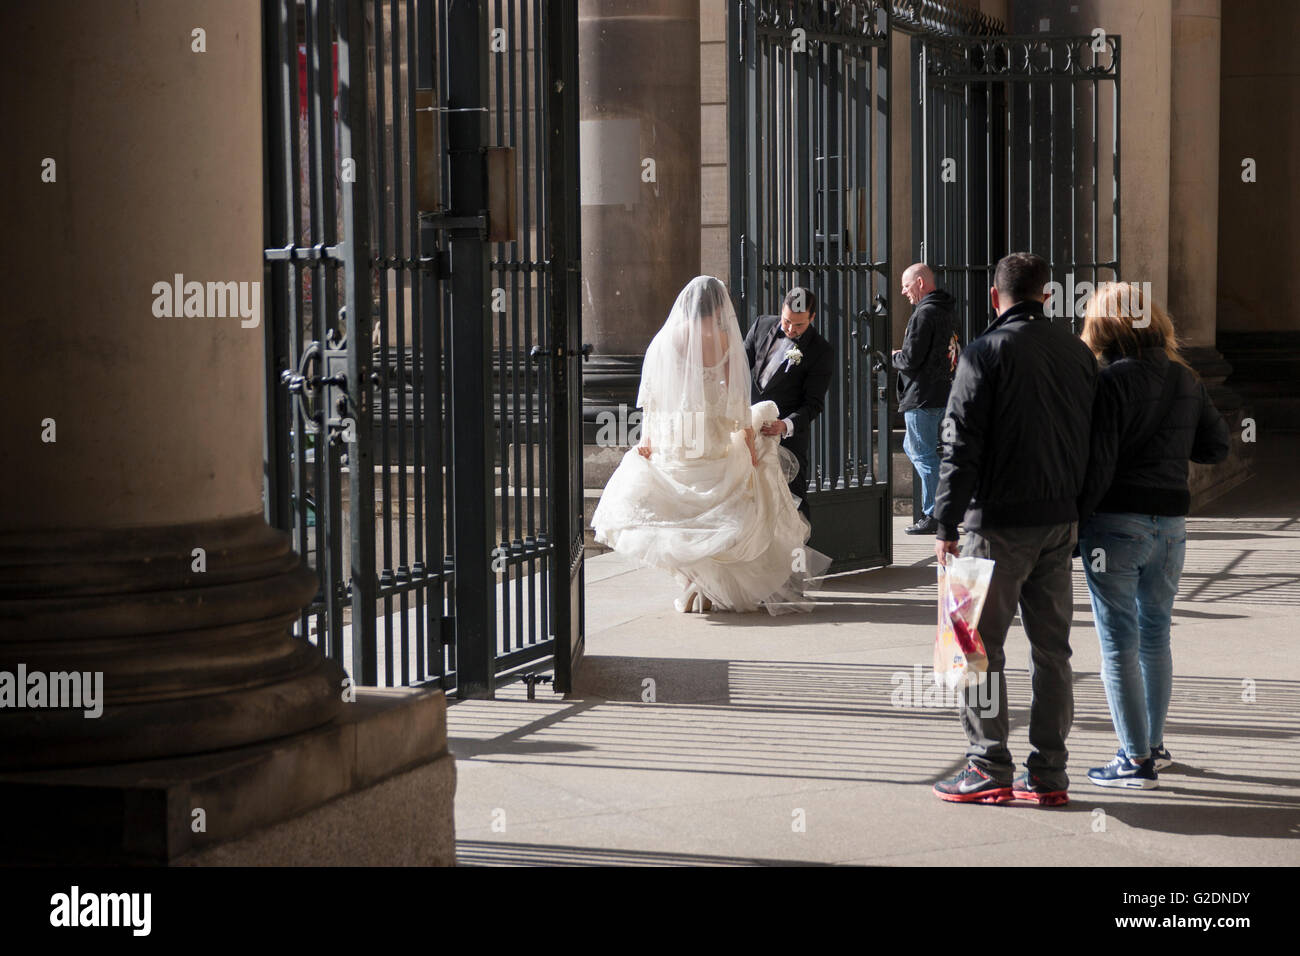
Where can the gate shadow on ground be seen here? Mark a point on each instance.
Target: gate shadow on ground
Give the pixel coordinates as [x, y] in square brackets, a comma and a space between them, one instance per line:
[513, 742]
[1224, 816]
[1207, 813]
[1211, 575]
[834, 610]
[857, 597]
[1215, 572]
[906, 595]
[676, 680]
[854, 608]
[1236, 776]
[488, 853]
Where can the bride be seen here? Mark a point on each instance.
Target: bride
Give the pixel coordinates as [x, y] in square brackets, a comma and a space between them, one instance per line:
[704, 495]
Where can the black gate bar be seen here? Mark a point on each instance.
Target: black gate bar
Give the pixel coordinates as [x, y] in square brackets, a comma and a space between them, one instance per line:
[471, 348]
[354, 146]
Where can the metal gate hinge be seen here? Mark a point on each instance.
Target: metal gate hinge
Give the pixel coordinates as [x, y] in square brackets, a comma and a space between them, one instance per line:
[472, 224]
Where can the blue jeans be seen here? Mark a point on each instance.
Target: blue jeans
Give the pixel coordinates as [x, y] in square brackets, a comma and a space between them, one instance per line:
[921, 444]
[1133, 563]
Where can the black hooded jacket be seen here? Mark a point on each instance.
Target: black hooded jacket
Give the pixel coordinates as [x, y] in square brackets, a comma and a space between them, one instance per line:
[1139, 466]
[1016, 432]
[924, 367]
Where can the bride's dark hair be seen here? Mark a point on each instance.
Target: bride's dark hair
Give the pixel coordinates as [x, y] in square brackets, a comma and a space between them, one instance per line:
[694, 366]
[712, 295]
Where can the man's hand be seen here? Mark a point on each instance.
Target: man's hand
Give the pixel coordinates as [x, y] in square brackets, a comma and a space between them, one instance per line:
[898, 351]
[774, 428]
[944, 548]
[643, 450]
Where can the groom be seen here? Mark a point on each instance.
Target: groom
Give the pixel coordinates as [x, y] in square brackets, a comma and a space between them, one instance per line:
[791, 364]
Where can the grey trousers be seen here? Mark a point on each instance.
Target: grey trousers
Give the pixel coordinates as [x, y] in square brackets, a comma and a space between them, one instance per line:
[1032, 572]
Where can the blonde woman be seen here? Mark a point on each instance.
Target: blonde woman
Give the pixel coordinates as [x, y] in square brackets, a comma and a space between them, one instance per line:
[1152, 415]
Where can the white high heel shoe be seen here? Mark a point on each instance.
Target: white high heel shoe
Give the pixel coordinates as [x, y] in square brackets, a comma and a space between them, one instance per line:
[693, 602]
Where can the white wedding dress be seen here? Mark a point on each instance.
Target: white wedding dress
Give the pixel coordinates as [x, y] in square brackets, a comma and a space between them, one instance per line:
[698, 507]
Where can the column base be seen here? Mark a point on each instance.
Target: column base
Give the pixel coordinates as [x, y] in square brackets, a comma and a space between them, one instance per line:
[373, 788]
[1208, 361]
[193, 652]
[609, 385]
[1266, 374]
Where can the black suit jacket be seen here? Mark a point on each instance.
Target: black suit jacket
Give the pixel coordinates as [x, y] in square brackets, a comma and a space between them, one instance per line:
[798, 390]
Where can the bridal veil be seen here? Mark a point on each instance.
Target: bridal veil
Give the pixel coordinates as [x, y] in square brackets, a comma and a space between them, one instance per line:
[695, 378]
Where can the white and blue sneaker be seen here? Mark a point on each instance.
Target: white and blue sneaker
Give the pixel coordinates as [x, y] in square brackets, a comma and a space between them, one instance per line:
[1126, 773]
[1162, 758]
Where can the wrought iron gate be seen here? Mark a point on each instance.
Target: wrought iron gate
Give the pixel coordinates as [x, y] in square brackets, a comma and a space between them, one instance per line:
[1018, 149]
[808, 114]
[422, 394]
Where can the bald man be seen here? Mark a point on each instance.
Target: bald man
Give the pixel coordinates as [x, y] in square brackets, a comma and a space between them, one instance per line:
[925, 366]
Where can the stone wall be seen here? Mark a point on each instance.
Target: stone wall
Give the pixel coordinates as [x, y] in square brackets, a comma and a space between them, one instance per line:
[714, 254]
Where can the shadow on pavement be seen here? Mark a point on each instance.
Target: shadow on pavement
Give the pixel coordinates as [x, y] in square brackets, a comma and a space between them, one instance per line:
[1222, 817]
[489, 853]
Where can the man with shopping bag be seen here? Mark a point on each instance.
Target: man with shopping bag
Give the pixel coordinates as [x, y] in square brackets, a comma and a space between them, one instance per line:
[1015, 438]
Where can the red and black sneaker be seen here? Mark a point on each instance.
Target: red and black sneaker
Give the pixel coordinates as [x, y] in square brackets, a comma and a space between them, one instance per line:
[1028, 787]
[973, 785]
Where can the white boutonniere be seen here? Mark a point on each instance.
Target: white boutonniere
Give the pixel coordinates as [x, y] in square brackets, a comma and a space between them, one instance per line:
[793, 357]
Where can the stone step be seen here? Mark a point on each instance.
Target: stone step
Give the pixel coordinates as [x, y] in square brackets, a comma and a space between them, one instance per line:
[1266, 375]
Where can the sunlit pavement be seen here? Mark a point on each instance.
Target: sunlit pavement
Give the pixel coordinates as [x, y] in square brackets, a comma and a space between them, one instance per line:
[733, 740]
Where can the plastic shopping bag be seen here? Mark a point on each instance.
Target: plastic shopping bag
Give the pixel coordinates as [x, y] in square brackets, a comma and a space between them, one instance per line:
[959, 657]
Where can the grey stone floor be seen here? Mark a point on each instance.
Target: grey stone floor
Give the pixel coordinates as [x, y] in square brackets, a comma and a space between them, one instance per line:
[777, 740]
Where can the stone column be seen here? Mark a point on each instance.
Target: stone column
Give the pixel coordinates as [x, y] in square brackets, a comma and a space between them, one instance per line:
[1194, 176]
[639, 70]
[131, 538]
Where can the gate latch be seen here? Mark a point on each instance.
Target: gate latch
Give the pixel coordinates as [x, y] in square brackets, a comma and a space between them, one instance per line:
[539, 352]
[320, 389]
